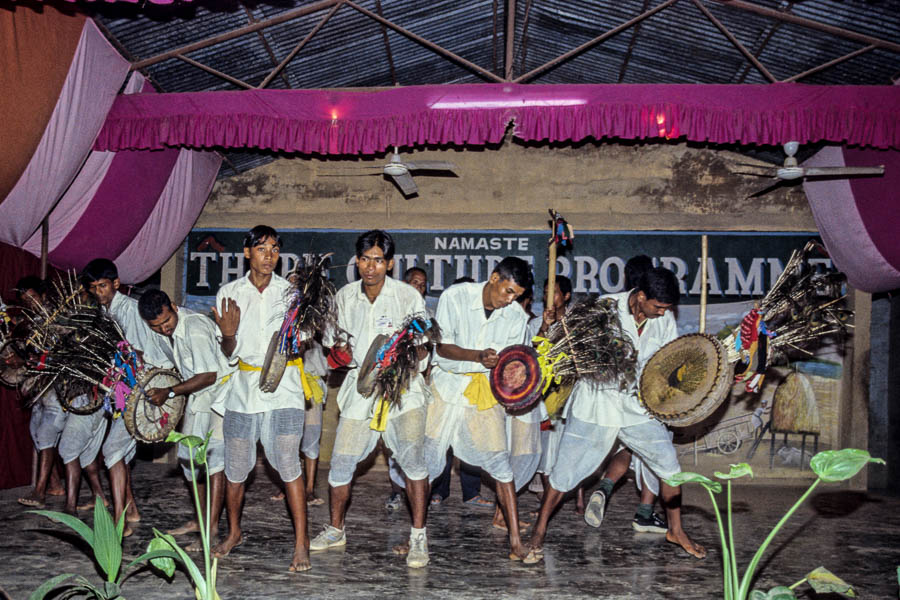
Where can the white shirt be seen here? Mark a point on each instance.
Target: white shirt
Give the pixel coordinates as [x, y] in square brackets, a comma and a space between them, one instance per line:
[460, 313]
[607, 405]
[196, 344]
[314, 361]
[156, 351]
[261, 316]
[364, 320]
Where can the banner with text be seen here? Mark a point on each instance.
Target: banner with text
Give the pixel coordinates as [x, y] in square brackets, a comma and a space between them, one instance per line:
[741, 266]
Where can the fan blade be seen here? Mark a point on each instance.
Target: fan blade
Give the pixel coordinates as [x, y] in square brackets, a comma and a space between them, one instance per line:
[348, 174]
[842, 171]
[778, 183]
[431, 165]
[767, 173]
[405, 183]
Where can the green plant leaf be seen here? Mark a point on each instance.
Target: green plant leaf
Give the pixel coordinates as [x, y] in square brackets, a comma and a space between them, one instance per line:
[824, 581]
[738, 470]
[688, 477]
[107, 543]
[79, 526]
[189, 564]
[188, 441]
[164, 562]
[839, 465]
[780, 593]
[49, 585]
[111, 589]
[757, 595]
[154, 554]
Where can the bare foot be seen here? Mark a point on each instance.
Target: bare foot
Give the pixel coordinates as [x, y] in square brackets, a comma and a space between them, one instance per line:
[132, 515]
[313, 500]
[32, 500]
[189, 527]
[301, 560]
[401, 549]
[536, 542]
[224, 548]
[90, 505]
[579, 509]
[525, 554]
[501, 525]
[128, 531]
[56, 491]
[278, 496]
[689, 545]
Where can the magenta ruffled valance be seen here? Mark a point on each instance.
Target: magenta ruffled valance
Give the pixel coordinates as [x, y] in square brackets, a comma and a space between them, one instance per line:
[351, 122]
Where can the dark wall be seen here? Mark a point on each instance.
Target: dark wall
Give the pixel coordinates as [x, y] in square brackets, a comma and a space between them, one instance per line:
[884, 392]
[15, 440]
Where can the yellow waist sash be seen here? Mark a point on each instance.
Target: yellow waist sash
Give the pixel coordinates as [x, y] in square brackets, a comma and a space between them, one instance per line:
[479, 391]
[311, 389]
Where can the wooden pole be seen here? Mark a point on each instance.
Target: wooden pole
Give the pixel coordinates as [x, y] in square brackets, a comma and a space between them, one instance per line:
[704, 253]
[45, 243]
[551, 276]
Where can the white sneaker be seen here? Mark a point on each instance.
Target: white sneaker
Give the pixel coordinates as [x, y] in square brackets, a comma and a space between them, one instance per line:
[331, 537]
[418, 551]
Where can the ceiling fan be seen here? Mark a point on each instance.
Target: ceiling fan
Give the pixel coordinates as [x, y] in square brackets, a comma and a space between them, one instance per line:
[400, 171]
[791, 171]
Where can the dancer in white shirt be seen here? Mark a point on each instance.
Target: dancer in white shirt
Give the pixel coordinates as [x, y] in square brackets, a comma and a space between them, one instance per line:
[248, 312]
[477, 321]
[378, 305]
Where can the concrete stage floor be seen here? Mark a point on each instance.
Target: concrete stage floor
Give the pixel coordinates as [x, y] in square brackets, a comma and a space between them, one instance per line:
[853, 534]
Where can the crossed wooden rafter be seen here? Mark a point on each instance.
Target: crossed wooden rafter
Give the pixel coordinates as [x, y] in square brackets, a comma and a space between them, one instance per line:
[330, 7]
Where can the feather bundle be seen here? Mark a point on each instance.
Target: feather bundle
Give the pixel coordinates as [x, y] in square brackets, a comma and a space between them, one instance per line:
[311, 304]
[397, 360]
[75, 345]
[588, 343]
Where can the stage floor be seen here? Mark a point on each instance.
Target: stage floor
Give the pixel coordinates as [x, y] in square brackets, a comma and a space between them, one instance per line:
[852, 534]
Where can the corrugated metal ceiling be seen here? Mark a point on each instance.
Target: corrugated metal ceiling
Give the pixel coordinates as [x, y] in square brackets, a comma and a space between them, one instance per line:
[679, 44]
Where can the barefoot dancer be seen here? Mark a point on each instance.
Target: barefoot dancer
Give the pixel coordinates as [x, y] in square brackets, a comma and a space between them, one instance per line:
[477, 321]
[194, 340]
[248, 312]
[378, 305]
[597, 416]
[101, 278]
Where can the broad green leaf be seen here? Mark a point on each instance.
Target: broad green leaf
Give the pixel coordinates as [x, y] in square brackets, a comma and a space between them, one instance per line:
[757, 595]
[120, 525]
[154, 554]
[824, 581]
[111, 589]
[174, 437]
[79, 526]
[107, 543]
[839, 465]
[187, 561]
[780, 593]
[164, 563]
[49, 585]
[688, 477]
[738, 470]
[188, 441]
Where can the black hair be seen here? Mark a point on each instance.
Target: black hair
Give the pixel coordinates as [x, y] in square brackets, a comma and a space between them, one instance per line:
[528, 294]
[563, 283]
[463, 280]
[634, 268]
[660, 284]
[97, 269]
[516, 270]
[30, 282]
[407, 275]
[152, 303]
[259, 234]
[373, 238]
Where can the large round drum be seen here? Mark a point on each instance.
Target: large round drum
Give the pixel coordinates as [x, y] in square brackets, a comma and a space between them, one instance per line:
[368, 374]
[686, 380]
[143, 419]
[273, 367]
[516, 378]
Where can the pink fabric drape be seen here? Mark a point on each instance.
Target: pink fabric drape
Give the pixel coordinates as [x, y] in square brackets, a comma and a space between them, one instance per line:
[346, 122]
[858, 218]
[173, 216]
[95, 75]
